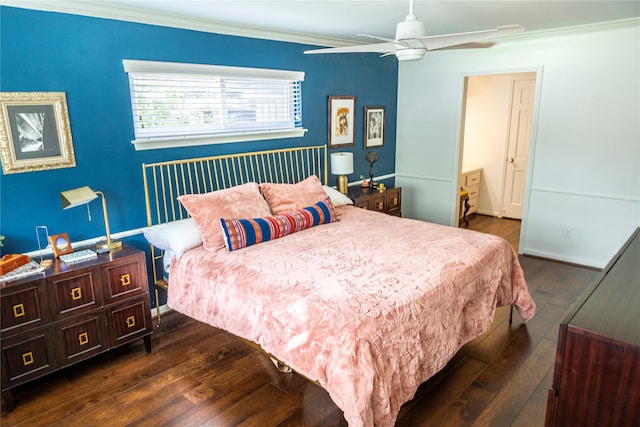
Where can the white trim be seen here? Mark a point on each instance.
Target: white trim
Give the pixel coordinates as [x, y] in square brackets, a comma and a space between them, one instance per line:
[585, 194]
[422, 177]
[131, 14]
[138, 66]
[152, 144]
[164, 309]
[88, 242]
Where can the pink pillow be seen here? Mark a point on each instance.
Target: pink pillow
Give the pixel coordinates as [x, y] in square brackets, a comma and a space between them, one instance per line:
[284, 198]
[242, 201]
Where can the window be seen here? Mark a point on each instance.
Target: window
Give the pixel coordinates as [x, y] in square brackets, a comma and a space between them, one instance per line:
[176, 104]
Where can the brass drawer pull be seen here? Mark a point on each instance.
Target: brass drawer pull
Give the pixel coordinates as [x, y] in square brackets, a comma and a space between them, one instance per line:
[380, 205]
[83, 338]
[18, 310]
[395, 200]
[27, 358]
[131, 321]
[76, 293]
[125, 279]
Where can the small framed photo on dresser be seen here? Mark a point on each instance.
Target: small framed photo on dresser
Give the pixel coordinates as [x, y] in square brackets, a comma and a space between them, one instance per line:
[60, 244]
[373, 127]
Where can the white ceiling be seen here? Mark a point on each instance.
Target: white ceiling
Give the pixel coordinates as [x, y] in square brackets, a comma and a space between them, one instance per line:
[343, 20]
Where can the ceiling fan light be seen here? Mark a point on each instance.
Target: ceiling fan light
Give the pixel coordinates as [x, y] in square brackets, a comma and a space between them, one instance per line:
[413, 54]
[410, 28]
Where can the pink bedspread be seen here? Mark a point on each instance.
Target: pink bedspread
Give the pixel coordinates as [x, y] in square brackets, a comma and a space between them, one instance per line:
[370, 306]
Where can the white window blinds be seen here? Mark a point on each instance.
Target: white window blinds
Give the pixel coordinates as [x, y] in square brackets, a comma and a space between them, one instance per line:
[176, 104]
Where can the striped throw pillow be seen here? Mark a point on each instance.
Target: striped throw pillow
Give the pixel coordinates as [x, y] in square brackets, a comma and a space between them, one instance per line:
[240, 233]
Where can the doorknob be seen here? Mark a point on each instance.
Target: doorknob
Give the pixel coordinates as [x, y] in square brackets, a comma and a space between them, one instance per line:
[510, 159]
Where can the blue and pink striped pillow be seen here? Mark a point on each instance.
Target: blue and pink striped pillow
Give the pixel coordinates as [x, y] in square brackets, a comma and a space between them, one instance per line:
[240, 233]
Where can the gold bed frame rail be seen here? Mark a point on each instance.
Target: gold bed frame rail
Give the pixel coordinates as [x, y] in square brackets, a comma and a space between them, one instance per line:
[165, 181]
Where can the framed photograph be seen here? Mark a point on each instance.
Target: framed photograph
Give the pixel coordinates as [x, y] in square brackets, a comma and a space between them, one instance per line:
[373, 127]
[35, 133]
[342, 121]
[60, 244]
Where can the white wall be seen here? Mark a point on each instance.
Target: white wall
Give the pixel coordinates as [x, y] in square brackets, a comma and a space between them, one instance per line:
[585, 152]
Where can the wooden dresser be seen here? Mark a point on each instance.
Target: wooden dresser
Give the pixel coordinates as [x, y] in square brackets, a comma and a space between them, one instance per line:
[71, 313]
[388, 201]
[596, 381]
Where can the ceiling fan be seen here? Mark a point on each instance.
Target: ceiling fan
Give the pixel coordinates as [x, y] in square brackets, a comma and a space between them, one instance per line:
[411, 42]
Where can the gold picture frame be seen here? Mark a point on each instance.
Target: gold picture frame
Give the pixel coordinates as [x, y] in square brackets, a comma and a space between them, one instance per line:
[373, 127]
[342, 121]
[35, 133]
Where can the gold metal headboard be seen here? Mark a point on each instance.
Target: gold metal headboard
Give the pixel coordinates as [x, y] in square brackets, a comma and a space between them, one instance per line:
[164, 182]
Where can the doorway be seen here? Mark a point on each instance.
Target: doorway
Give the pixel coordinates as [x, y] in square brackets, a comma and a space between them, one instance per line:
[496, 133]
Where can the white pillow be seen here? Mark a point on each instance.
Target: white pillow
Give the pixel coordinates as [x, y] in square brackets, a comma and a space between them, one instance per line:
[176, 236]
[337, 198]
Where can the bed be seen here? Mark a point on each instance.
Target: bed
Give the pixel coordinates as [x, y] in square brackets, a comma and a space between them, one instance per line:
[367, 305]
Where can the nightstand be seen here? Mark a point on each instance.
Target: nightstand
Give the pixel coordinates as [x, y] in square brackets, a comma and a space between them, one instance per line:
[388, 201]
[70, 313]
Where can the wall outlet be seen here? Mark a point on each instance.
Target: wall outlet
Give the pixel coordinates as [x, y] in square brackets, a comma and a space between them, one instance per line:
[567, 232]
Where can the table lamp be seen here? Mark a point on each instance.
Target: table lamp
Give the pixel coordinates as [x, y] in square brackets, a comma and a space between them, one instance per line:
[82, 196]
[342, 165]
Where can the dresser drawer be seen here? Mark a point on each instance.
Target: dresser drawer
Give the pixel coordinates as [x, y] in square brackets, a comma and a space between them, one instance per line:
[22, 307]
[388, 201]
[129, 320]
[27, 356]
[379, 202]
[125, 279]
[363, 203]
[394, 201]
[472, 178]
[80, 337]
[75, 293]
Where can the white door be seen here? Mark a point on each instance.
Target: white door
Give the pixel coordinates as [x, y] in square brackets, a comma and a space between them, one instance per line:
[519, 135]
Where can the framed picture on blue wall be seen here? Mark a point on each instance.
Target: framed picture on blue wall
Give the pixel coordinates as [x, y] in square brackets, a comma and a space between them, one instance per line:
[342, 121]
[373, 127]
[35, 133]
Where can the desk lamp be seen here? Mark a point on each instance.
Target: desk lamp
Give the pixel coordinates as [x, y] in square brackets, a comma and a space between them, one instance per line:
[342, 165]
[82, 196]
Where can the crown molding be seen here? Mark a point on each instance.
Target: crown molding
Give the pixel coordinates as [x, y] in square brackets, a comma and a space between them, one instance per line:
[575, 29]
[131, 14]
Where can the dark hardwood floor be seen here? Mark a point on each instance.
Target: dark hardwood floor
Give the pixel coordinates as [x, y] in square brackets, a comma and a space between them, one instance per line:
[197, 375]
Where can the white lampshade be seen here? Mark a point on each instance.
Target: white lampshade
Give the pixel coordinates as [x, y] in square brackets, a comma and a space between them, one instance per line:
[341, 163]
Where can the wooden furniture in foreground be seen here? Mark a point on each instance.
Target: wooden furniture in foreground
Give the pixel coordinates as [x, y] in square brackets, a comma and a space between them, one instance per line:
[70, 313]
[388, 201]
[597, 373]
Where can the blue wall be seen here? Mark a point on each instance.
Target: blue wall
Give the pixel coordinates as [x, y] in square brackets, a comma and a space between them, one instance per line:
[82, 56]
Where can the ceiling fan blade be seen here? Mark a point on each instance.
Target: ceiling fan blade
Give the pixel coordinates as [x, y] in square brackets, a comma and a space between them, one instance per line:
[384, 39]
[376, 47]
[447, 40]
[471, 45]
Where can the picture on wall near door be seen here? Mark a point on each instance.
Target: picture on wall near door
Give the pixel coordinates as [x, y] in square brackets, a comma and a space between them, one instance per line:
[373, 127]
[35, 133]
[342, 121]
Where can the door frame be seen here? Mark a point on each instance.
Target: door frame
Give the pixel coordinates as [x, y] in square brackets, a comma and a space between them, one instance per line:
[532, 147]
